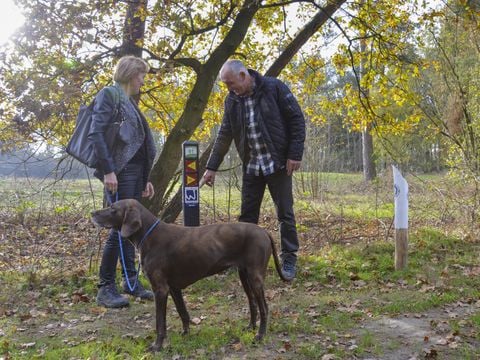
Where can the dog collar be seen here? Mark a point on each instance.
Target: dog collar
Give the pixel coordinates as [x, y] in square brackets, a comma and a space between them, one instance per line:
[150, 229]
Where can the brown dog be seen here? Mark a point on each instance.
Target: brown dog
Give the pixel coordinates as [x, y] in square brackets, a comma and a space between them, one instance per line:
[174, 257]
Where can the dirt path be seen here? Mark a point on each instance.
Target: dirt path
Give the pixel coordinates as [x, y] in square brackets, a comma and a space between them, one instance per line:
[428, 335]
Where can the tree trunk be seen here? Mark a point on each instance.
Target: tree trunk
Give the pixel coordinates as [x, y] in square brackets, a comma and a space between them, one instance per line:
[369, 172]
[134, 31]
[169, 158]
[134, 28]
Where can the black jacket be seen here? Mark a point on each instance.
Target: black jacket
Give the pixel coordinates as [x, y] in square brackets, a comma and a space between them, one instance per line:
[280, 119]
[114, 160]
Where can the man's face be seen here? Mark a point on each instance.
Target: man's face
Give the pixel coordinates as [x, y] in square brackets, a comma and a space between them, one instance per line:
[238, 83]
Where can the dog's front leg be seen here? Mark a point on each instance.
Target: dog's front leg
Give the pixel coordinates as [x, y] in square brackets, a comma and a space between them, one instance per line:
[181, 308]
[161, 318]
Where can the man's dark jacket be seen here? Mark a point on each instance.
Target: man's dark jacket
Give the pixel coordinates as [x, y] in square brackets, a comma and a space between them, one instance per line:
[279, 117]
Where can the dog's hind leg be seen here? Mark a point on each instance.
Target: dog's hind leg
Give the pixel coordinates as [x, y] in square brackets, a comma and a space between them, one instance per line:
[256, 283]
[181, 308]
[251, 298]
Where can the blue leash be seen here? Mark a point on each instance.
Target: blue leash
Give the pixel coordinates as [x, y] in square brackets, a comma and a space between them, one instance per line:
[122, 257]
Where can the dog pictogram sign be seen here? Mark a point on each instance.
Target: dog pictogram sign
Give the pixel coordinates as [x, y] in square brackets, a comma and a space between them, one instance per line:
[191, 195]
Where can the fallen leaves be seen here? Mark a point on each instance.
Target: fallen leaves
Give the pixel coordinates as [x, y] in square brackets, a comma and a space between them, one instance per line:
[98, 310]
[350, 308]
[430, 354]
[286, 346]
[197, 320]
[472, 272]
[329, 357]
[80, 296]
[27, 345]
[237, 346]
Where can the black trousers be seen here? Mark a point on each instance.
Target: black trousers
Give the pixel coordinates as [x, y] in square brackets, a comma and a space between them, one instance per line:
[130, 186]
[280, 187]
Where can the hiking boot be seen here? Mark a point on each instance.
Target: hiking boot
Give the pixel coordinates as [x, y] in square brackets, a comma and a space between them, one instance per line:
[139, 291]
[109, 297]
[289, 268]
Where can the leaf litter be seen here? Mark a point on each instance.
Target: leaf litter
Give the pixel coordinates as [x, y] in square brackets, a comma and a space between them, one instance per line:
[74, 315]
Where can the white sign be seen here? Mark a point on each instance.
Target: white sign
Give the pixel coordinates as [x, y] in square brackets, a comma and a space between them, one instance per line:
[400, 187]
[190, 195]
[191, 152]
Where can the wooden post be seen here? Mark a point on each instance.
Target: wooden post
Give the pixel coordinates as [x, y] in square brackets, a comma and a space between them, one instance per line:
[401, 248]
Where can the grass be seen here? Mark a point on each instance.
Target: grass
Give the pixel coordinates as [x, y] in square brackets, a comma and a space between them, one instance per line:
[346, 279]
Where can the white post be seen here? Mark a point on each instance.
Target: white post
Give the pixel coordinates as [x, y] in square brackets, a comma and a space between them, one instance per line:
[401, 219]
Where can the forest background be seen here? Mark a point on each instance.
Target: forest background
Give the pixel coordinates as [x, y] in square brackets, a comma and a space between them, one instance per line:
[380, 82]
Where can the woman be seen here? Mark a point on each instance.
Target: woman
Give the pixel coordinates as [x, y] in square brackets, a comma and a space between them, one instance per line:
[124, 169]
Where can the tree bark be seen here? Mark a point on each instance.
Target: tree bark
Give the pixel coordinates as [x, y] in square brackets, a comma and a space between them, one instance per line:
[134, 28]
[369, 171]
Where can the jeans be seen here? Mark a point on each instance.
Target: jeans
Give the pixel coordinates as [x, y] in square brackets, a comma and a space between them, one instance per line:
[280, 187]
[130, 186]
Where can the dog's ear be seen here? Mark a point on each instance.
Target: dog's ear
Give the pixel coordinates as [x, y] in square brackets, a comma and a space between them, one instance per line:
[132, 222]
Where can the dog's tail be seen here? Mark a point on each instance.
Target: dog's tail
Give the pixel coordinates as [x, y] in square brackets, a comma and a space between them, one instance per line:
[275, 258]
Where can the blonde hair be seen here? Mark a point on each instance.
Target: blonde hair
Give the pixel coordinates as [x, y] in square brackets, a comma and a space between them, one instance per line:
[129, 66]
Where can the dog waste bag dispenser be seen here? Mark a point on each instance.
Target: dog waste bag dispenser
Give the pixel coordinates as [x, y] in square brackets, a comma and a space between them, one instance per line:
[191, 194]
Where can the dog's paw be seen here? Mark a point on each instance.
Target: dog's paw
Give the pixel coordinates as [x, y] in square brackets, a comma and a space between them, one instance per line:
[258, 338]
[155, 347]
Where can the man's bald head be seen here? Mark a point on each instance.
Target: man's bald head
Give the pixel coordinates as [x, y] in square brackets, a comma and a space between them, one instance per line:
[235, 75]
[233, 66]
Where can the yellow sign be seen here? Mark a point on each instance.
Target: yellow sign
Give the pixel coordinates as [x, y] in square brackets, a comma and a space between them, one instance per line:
[191, 180]
[191, 165]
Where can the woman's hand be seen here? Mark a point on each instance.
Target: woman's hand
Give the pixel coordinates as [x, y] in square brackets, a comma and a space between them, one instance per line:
[110, 182]
[149, 191]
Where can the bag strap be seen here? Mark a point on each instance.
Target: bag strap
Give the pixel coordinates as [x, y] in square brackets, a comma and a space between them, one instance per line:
[116, 99]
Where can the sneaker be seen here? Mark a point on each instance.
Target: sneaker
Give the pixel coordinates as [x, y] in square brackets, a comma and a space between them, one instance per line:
[289, 268]
[109, 297]
[139, 291]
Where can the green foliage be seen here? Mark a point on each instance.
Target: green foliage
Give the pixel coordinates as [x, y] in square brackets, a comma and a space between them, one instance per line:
[368, 344]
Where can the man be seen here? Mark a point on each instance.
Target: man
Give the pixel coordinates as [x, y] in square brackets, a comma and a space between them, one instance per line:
[264, 119]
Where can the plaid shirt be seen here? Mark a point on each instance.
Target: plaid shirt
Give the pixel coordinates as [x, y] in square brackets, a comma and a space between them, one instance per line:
[260, 158]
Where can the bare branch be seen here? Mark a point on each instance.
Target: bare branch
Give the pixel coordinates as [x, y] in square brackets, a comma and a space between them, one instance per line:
[303, 36]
